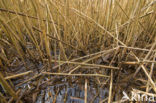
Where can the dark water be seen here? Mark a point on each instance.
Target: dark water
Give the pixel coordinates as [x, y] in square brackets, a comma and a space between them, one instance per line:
[75, 94]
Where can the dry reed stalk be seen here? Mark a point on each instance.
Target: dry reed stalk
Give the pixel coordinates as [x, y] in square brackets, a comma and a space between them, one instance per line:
[86, 64]
[142, 92]
[110, 88]
[85, 95]
[67, 74]
[58, 39]
[55, 98]
[94, 54]
[88, 34]
[8, 88]
[3, 99]
[151, 71]
[147, 74]
[18, 75]
[17, 101]
[21, 14]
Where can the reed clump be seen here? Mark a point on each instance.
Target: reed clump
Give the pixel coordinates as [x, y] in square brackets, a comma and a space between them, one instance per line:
[103, 44]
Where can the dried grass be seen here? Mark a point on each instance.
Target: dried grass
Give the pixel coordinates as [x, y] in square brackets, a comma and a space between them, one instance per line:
[100, 43]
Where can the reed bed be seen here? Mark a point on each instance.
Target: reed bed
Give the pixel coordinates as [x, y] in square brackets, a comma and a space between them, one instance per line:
[93, 44]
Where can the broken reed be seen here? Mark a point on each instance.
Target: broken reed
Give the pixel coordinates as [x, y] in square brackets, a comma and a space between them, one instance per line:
[78, 33]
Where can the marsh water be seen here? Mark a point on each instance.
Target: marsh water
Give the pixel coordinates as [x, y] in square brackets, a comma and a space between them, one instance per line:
[72, 94]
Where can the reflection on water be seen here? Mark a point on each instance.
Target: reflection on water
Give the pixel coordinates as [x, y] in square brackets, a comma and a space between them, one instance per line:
[74, 94]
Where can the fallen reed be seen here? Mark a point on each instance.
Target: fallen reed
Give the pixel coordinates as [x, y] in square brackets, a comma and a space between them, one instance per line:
[100, 44]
